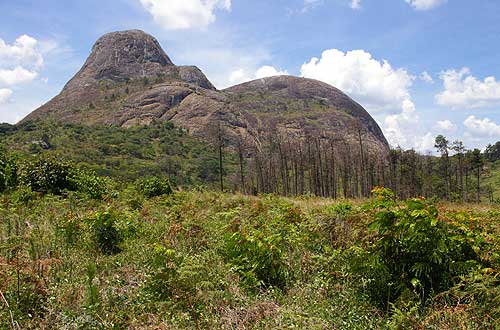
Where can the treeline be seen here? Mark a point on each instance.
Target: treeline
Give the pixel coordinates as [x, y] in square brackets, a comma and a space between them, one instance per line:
[309, 163]
[331, 166]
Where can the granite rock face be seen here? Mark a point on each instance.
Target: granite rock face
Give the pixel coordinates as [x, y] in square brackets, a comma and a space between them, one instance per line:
[129, 80]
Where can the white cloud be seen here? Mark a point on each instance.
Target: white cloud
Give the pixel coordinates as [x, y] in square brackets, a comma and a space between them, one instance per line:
[240, 75]
[400, 130]
[425, 76]
[18, 75]
[445, 126]
[482, 127]
[269, 71]
[355, 4]
[462, 90]
[425, 4]
[383, 90]
[5, 95]
[375, 84]
[20, 63]
[397, 126]
[24, 51]
[185, 14]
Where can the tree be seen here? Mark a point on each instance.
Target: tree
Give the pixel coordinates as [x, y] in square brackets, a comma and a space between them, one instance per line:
[458, 147]
[492, 152]
[441, 144]
[477, 163]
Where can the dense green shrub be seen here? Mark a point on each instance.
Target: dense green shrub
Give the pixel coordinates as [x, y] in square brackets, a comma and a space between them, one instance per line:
[8, 170]
[258, 258]
[104, 230]
[154, 187]
[422, 254]
[88, 183]
[267, 253]
[46, 175]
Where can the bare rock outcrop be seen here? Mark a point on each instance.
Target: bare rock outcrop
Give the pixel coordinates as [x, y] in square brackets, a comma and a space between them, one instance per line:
[129, 80]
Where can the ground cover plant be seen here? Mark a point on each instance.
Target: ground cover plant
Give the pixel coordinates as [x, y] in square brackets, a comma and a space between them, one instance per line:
[71, 258]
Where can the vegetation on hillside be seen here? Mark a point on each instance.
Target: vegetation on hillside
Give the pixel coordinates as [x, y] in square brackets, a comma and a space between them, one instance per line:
[323, 165]
[126, 154]
[143, 255]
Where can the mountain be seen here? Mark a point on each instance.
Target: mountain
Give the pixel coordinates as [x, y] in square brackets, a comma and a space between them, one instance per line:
[128, 80]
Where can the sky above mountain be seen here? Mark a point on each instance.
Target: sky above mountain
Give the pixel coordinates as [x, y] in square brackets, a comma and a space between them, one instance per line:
[420, 67]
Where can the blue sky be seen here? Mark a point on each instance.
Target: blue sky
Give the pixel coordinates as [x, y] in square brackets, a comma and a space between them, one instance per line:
[420, 67]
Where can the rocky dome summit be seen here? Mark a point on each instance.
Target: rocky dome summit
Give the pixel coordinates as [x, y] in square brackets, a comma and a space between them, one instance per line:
[129, 80]
[126, 54]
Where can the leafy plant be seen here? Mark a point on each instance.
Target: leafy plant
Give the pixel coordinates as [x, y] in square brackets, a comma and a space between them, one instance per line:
[8, 170]
[421, 253]
[87, 182]
[46, 175]
[154, 187]
[185, 280]
[104, 230]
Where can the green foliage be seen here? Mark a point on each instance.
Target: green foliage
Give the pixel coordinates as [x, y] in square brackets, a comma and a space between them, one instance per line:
[92, 289]
[492, 152]
[88, 183]
[154, 187]
[263, 253]
[188, 281]
[421, 253]
[23, 195]
[46, 175]
[479, 291]
[258, 257]
[8, 170]
[69, 228]
[125, 154]
[105, 233]
[207, 260]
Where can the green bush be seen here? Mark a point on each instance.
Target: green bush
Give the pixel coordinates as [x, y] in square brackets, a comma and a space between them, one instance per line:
[154, 187]
[258, 258]
[47, 175]
[88, 183]
[421, 253]
[268, 253]
[8, 170]
[105, 233]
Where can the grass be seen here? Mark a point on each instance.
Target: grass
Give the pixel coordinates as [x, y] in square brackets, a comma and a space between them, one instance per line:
[176, 268]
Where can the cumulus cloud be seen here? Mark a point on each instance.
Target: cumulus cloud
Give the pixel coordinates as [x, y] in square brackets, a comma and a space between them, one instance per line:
[382, 89]
[400, 130]
[396, 126]
[5, 95]
[185, 14]
[375, 84]
[269, 71]
[425, 4]
[18, 75]
[24, 51]
[462, 90]
[445, 126]
[425, 76]
[240, 76]
[482, 127]
[20, 63]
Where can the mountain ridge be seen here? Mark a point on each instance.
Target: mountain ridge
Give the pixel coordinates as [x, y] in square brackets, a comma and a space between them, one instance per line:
[129, 80]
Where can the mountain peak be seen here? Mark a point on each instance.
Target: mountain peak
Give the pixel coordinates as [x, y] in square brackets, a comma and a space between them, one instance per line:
[125, 55]
[129, 80]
